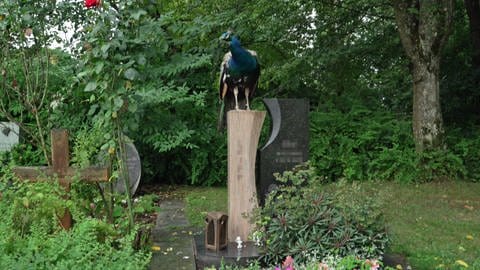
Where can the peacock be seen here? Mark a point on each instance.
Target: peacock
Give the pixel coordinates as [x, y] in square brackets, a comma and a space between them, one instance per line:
[239, 73]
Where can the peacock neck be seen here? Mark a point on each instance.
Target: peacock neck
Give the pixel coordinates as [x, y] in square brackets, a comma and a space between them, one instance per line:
[243, 60]
[236, 49]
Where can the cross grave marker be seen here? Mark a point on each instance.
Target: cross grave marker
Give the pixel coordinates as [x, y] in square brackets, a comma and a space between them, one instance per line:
[60, 168]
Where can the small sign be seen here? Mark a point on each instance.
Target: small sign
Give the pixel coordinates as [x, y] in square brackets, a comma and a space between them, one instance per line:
[9, 135]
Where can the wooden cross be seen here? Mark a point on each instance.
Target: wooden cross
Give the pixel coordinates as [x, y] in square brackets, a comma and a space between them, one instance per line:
[61, 170]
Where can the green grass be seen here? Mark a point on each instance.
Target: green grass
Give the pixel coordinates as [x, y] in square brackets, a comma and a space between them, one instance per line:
[433, 224]
[200, 201]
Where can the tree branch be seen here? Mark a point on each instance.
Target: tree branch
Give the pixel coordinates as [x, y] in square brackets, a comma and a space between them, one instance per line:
[407, 24]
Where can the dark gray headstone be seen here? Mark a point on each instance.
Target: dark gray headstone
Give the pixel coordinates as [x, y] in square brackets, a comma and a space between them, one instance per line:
[134, 170]
[288, 142]
[8, 135]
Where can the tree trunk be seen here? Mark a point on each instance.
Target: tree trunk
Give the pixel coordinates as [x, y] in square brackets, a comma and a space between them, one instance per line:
[473, 11]
[424, 27]
[427, 115]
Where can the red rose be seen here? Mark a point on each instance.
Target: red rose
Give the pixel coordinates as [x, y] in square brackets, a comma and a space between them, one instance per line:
[92, 3]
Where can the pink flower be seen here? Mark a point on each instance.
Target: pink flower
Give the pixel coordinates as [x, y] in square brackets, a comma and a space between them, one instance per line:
[374, 265]
[322, 266]
[92, 3]
[288, 263]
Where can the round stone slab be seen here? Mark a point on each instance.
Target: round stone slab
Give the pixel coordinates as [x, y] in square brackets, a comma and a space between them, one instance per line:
[134, 170]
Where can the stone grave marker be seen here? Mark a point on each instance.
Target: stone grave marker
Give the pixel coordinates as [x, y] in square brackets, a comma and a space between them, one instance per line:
[134, 170]
[288, 142]
[9, 135]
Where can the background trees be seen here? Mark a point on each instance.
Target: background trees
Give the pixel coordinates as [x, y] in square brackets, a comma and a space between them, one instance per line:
[153, 67]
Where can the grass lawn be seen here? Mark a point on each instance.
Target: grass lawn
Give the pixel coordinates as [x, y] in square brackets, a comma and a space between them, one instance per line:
[434, 225]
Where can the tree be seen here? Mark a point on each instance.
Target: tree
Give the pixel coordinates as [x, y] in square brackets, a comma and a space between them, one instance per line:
[424, 27]
[473, 11]
[33, 76]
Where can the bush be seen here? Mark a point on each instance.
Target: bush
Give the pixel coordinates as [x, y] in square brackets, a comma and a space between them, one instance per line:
[90, 245]
[31, 236]
[466, 145]
[378, 145]
[300, 220]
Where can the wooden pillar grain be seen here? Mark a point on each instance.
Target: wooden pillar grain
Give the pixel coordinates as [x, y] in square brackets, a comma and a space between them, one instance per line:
[243, 133]
[60, 163]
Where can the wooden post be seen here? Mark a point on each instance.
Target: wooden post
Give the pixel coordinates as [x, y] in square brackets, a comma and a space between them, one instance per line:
[243, 133]
[60, 168]
[60, 163]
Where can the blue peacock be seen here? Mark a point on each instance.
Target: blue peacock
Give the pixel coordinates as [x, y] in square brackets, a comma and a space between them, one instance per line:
[239, 73]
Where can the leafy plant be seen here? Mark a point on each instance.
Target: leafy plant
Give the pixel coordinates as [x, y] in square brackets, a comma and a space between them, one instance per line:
[377, 145]
[92, 244]
[31, 235]
[467, 149]
[37, 207]
[301, 220]
[32, 81]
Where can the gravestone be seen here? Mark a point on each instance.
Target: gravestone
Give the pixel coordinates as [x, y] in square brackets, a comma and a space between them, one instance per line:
[134, 170]
[288, 142]
[8, 135]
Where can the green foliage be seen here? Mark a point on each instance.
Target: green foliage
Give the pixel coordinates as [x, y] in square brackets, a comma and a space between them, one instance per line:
[362, 144]
[37, 208]
[86, 147]
[138, 71]
[32, 238]
[440, 164]
[90, 245]
[459, 78]
[346, 263]
[23, 154]
[376, 145]
[467, 148]
[300, 220]
[145, 204]
[363, 209]
[34, 78]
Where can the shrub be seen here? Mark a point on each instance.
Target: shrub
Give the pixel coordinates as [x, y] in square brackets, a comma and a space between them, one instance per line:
[31, 236]
[378, 145]
[466, 145]
[90, 245]
[300, 220]
[362, 144]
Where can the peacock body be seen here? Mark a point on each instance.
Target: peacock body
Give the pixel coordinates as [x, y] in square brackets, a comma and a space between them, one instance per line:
[239, 73]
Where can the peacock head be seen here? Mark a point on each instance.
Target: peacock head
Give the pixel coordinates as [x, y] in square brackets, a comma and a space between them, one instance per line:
[227, 36]
[230, 39]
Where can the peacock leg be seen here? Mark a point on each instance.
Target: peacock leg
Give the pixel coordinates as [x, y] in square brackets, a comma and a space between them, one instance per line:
[224, 91]
[247, 92]
[235, 93]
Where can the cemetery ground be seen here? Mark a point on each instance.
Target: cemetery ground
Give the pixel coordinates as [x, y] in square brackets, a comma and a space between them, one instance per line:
[431, 225]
